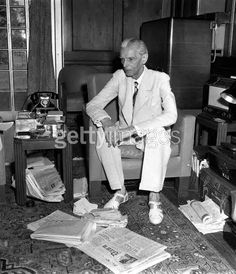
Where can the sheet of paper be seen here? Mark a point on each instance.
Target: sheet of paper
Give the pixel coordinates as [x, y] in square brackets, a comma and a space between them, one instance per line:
[83, 206]
[5, 126]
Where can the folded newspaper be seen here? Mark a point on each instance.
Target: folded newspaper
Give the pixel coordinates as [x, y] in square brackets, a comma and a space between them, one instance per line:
[105, 217]
[68, 232]
[63, 228]
[206, 216]
[43, 180]
[124, 251]
[54, 216]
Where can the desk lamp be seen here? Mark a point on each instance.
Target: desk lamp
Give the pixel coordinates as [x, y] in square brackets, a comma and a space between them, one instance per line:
[229, 95]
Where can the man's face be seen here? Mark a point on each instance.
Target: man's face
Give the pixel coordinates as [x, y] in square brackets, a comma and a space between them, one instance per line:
[132, 61]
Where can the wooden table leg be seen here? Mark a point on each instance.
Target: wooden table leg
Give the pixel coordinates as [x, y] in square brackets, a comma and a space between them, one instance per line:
[20, 180]
[67, 172]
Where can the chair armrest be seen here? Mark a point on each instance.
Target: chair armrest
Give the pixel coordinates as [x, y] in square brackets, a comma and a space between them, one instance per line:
[183, 132]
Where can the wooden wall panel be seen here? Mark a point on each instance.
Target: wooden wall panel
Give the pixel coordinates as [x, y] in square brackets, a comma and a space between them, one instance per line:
[93, 25]
[92, 32]
[135, 12]
[94, 29]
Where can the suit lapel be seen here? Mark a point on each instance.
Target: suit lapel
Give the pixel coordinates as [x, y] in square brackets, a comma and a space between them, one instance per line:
[144, 92]
[127, 108]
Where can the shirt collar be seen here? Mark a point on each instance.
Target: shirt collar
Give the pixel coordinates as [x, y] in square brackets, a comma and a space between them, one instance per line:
[140, 78]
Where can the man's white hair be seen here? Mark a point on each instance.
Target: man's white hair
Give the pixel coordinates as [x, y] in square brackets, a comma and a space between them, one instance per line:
[133, 42]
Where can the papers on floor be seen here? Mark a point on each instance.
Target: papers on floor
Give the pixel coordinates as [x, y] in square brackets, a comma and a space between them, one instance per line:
[118, 248]
[57, 215]
[83, 206]
[70, 232]
[80, 186]
[62, 228]
[205, 216]
[124, 251]
[105, 217]
[43, 180]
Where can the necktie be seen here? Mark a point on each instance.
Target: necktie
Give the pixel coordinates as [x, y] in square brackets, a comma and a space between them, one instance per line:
[135, 92]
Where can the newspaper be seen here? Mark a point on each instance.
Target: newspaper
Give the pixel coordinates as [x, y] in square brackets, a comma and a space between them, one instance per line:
[43, 180]
[206, 216]
[55, 215]
[65, 231]
[45, 184]
[124, 251]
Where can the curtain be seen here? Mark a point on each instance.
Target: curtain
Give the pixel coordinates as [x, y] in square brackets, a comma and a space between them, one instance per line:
[40, 63]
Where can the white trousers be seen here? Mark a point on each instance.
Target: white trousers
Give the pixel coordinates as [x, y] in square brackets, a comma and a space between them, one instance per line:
[156, 147]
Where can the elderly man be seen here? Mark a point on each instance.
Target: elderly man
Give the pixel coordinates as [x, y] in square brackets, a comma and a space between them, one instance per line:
[147, 109]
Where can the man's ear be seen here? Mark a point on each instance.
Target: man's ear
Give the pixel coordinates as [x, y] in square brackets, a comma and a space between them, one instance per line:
[144, 58]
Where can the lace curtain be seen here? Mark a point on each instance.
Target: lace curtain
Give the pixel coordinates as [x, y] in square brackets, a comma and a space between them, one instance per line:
[40, 63]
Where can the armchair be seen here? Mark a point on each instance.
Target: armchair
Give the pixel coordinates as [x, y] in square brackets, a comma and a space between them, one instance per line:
[6, 148]
[179, 165]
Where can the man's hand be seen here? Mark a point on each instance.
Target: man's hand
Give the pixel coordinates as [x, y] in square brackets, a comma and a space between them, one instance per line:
[126, 133]
[110, 130]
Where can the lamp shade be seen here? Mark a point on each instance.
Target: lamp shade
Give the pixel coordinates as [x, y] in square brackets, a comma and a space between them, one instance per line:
[229, 95]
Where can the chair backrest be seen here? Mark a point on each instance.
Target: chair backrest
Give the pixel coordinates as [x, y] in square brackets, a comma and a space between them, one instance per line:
[96, 83]
[72, 86]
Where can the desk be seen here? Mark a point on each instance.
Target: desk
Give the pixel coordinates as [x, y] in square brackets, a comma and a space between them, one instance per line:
[64, 164]
[221, 127]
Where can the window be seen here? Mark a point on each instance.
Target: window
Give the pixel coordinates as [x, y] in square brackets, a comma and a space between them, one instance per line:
[14, 37]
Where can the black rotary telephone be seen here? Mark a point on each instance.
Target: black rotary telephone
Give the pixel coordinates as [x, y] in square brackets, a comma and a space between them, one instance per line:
[41, 101]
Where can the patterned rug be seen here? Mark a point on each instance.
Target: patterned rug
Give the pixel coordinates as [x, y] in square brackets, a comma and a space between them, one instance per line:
[191, 253]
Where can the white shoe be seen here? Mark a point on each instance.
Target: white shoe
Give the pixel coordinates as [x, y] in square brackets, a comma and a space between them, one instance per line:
[116, 200]
[155, 213]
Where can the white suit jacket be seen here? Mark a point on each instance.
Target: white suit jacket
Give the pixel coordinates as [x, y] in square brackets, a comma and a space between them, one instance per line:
[155, 104]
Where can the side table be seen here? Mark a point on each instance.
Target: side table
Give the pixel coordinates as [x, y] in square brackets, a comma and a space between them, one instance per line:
[64, 164]
[221, 128]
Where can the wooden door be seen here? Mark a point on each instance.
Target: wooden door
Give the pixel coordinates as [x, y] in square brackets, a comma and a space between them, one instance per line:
[92, 32]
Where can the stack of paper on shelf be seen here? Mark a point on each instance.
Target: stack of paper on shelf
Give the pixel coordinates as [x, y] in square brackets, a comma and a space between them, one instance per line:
[105, 217]
[62, 228]
[206, 216]
[124, 251]
[43, 180]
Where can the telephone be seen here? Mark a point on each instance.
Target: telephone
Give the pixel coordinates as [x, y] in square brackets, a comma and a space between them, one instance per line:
[41, 101]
